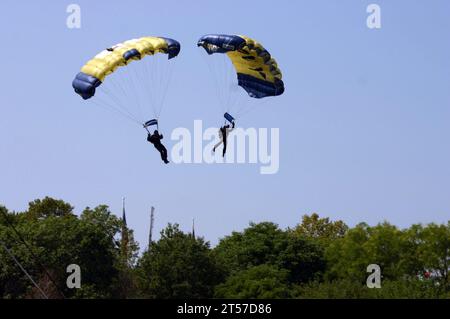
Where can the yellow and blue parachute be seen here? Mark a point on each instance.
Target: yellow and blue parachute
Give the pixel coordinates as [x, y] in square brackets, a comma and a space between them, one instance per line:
[94, 72]
[257, 71]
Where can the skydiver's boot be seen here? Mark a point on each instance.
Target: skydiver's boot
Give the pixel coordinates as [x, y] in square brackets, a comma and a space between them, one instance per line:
[164, 158]
[163, 152]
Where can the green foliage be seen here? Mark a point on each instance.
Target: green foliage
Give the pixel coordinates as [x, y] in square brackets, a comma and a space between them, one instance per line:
[347, 289]
[434, 252]
[178, 266]
[400, 254]
[318, 258]
[321, 229]
[52, 243]
[259, 244]
[265, 243]
[48, 207]
[258, 282]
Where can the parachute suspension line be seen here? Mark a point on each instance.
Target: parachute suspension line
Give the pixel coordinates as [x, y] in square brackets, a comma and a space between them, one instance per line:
[118, 85]
[119, 105]
[229, 86]
[251, 106]
[144, 78]
[152, 70]
[134, 87]
[235, 92]
[130, 95]
[102, 103]
[166, 88]
[151, 78]
[115, 99]
[156, 83]
[23, 270]
[232, 98]
[236, 102]
[111, 104]
[136, 78]
[215, 79]
[228, 82]
[122, 104]
[220, 71]
[166, 80]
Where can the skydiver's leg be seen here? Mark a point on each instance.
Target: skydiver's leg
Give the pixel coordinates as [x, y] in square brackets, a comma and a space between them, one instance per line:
[217, 145]
[160, 150]
[164, 154]
[224, 149]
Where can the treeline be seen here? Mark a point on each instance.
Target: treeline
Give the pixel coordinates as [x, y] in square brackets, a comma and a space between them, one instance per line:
[317, 258]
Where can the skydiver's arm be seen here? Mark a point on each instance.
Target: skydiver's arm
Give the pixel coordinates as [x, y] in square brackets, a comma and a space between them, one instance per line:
[229, 130]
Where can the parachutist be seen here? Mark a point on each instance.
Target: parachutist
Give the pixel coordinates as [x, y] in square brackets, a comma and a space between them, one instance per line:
[155, 139]
[223, 134]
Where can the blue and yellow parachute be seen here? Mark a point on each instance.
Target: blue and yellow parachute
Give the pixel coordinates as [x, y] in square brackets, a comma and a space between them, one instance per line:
[94, 72]
[257, 71]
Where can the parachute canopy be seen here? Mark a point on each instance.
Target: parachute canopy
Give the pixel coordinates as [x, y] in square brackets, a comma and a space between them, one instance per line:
[257, 71]
[94, 72]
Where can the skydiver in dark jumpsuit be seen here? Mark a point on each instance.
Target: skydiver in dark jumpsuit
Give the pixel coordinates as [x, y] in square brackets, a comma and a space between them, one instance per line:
[223, 134]
[155, 139]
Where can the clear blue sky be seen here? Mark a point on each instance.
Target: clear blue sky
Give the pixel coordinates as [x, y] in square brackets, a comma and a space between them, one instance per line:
[364, 122]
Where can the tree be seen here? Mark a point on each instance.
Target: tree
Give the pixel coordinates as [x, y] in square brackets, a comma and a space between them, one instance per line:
[350, 289]
[303, 259]
[49, 245]
[178, 266]
[346, 257]
[48, 207]
[265, 243]
[383, 245]
[321, 229]
[435, 252]
[258, 282]
[256, 245]
[385, 248]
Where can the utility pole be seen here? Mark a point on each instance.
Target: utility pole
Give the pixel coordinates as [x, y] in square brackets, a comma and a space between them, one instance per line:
[152, 220]
[193, 228]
